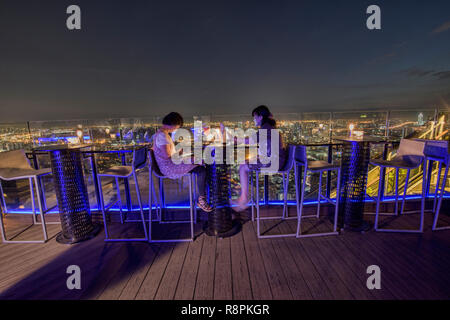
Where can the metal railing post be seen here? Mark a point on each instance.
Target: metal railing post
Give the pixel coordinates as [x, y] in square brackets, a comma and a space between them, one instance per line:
[330, 160]
[385, 153]
[95, 180]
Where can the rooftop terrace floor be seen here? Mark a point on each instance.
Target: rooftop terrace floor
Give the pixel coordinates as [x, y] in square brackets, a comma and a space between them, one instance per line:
[413, 266]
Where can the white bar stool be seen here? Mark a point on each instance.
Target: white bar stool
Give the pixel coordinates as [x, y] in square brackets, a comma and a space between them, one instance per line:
[285, 174]
[437, 150]
[301, 160]
[155, 171]
[124, 172]
[410, 155]
[14, 165]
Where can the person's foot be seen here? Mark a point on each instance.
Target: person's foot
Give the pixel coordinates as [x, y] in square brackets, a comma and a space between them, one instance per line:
[204, 205]
[240, 205]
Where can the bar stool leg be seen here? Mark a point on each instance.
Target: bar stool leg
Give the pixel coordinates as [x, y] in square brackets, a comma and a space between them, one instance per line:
[138, 192]
[405, 190]
[151, 194]
[257, 204]
[33, 201]
[285, 185]
[338, 188]
[41, 210]
[192, 204]
[42, 188]
[396, 191]
[424, 189]
[436, 215]
[299, 222]
[119, 198]
[161, 198]
[436, 192]
[319, 195]
[102, 204]
[194, 192]
[297, 196]
[2, 228]
[4, 209]
[377, 212]
[252, 195]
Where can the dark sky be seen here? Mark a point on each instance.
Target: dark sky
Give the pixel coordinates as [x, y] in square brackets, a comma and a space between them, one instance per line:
[140, 58]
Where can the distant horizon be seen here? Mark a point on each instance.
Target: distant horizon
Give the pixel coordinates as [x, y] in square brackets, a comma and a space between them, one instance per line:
[188, 116]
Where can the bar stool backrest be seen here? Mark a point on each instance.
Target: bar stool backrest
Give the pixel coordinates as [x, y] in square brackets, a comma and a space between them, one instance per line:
[290, 158]
[436, 150]
[153, 164]
[410, 147]
[300, 155]
[16, 159]
[139, 158]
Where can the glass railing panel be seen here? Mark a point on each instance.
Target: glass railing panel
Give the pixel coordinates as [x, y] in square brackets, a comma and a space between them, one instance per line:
[290, 127]
[60, 132]
[411, 124]
[14, 136]
[105, 131]
[371, 123]
[137, 130]
[315, 127]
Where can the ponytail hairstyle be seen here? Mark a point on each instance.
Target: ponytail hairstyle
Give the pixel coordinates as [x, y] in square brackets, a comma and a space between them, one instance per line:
[265, 113]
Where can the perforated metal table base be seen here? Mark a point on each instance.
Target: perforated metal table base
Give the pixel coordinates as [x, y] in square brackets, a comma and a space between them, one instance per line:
[220, 222]
[71, 194]
[60, 237]
[355, 164]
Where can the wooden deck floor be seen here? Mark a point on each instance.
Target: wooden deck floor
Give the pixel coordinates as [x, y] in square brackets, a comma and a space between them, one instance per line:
[413, 266]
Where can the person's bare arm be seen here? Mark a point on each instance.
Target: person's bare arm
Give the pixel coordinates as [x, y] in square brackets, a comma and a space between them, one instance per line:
[168, 151]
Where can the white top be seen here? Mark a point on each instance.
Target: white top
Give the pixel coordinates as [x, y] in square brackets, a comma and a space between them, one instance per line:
[161, 139]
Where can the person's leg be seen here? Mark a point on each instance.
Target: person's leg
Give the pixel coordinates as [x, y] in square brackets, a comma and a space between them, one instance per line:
[200, 173]
[243, 175]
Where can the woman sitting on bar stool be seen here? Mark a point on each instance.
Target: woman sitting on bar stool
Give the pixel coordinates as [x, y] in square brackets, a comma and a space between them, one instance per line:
[264, 120]
[164, 149]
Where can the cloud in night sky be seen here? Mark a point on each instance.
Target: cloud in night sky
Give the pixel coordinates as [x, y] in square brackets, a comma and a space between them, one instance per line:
[444, 27]
[419, 73]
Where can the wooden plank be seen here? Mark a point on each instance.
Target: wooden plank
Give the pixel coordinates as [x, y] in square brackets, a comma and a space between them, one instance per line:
[152, 280]
[293, 274]
[22, 269]
[242, 289]
[277, 280]
[131, 262]
[337, 255]
[204, 288]
[312, 277]
[404, 260]
[186, 284]
[360, 246]
[51, 276]
[169, 282]
[332, 280]
[223, 282]
[258, 276]
[135, 281]
[96, 261]
[354, 264]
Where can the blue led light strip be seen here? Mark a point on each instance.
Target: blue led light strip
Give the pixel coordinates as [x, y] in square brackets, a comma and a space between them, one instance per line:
[186, 206]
